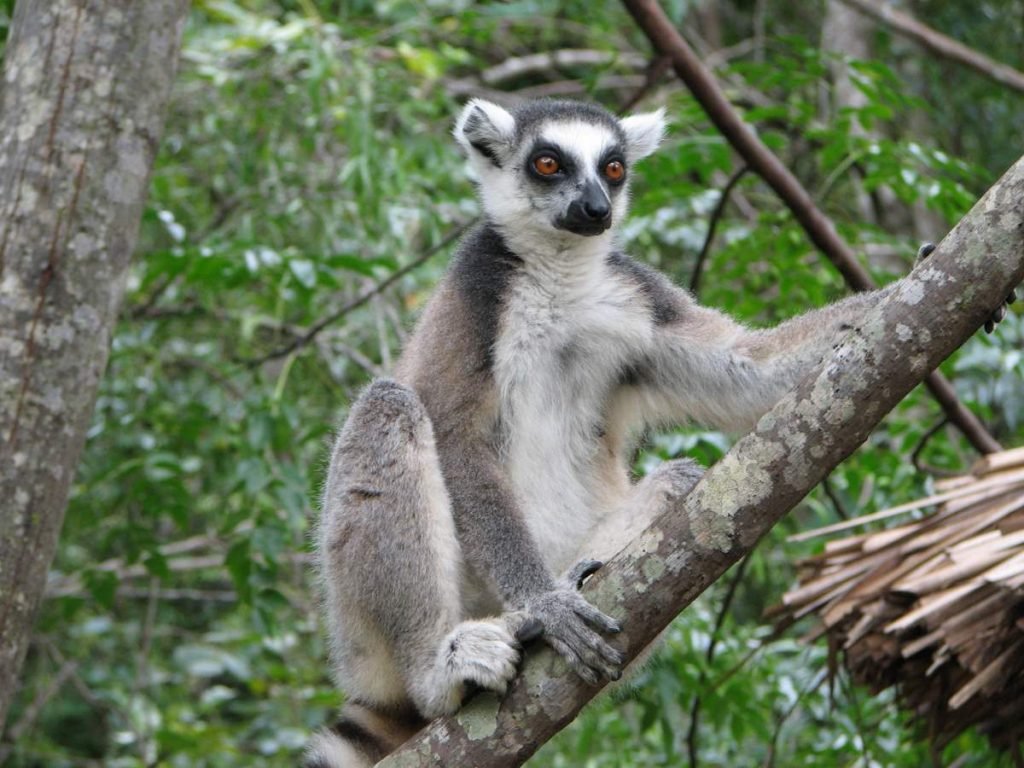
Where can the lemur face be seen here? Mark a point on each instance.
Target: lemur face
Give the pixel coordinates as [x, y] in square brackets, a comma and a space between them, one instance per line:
[555, 165]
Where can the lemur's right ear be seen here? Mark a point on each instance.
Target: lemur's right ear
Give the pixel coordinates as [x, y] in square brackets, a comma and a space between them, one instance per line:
[485, 129]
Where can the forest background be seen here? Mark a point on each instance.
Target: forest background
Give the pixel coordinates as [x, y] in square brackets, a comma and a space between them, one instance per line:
[307, 173]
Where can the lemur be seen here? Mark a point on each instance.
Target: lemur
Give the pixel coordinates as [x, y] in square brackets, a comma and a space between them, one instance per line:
[469, 496]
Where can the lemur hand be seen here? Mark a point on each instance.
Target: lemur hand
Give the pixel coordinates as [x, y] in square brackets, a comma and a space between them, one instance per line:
[1000, 312]
[569, 622]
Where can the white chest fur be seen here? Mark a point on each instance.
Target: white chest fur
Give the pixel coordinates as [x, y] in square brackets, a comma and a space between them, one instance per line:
[567, 333]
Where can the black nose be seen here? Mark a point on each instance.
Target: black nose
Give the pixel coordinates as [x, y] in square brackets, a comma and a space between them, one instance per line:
[597, 210]
[590, 213]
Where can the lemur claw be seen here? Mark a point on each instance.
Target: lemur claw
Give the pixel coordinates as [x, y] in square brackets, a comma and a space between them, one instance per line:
[582, 570]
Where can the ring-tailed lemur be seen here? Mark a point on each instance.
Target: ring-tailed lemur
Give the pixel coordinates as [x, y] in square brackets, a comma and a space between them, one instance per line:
[467, 497]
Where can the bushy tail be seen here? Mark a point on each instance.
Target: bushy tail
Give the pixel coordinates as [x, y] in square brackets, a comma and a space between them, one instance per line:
[361, 737]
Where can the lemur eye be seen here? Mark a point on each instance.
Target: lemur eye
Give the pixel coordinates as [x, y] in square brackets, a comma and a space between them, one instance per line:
[615, 170]
[546, 165]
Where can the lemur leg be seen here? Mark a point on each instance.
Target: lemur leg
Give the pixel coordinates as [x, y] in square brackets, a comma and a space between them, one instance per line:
[647, 499]
[391, 566]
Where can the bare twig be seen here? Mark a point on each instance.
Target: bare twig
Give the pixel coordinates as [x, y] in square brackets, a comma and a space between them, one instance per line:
[936, 42]
[833, 496]
[820, 229]
[814, 685]
[35, 707]
[317, 327]
[556, 61]
[655, 71]
[716, 216]
[915, 457]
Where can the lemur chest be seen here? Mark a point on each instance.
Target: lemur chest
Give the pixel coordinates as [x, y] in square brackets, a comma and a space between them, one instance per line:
[559, 357]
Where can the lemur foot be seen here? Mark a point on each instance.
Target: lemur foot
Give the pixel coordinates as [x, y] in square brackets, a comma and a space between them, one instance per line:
[678, 476]
[570, 622]
[1000, 312]
[476, 654]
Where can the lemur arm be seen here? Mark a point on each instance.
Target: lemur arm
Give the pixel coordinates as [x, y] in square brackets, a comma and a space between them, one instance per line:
[494, 536]
[706, 367]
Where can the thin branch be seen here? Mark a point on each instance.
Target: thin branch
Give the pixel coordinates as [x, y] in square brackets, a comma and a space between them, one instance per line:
[655, 71]
[556, 61]
[833, 496]
[915, 457]
[35, 708]
[936, 42]
[317, 327]
[709, 657]
[716, 215]
[777, 732]
[820, 229]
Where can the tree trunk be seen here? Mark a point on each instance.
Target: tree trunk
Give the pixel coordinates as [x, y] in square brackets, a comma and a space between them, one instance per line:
[937, 307]
[85, 84]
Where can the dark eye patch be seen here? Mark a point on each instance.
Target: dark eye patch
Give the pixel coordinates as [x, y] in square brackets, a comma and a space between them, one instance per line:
[613, 153]
[567, 163]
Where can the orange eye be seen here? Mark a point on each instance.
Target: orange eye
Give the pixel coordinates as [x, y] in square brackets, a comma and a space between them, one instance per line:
[546, 165]
[615, 170]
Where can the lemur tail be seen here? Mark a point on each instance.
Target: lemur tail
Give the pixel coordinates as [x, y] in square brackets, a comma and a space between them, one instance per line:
[361, 737]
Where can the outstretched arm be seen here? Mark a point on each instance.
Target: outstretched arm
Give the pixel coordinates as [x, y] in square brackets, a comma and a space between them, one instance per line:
[708, 368]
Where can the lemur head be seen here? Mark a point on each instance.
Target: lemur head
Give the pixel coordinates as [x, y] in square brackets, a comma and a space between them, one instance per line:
[558, 169]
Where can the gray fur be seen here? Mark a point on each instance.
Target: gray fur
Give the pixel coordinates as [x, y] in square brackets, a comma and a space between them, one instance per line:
[461, 494]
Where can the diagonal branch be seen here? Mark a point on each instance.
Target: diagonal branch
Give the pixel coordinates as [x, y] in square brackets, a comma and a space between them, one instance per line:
[667, 41]
[938, 43]
[933, 310]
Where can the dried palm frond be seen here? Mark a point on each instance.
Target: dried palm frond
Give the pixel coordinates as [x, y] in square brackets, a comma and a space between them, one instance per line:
[934, 606]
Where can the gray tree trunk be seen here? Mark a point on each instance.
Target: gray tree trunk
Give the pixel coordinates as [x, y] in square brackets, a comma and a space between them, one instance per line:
[695, 540]
[85, 84]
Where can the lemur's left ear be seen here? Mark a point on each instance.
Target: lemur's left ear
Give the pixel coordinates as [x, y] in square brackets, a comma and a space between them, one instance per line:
[485, 129]
[643, 133]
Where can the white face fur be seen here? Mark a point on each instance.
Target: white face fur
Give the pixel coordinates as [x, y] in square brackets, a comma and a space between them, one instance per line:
[554, 173]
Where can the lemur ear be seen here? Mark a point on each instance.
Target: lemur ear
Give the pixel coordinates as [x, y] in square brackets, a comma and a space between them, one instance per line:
[643, 133]
[485, 129]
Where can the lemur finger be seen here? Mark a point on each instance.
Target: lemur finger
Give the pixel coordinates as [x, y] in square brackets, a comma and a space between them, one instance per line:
[989, 326]
[999, 314]
[597, 655]
[581, 570]
[594, 643]
[1012, 297]
[596, 619]
[573, 660]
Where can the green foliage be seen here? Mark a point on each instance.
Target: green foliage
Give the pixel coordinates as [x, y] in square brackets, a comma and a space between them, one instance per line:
[307, 157]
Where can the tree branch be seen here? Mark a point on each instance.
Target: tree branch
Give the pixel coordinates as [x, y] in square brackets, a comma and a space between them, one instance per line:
[938, 43]
[931, 312]
[716, 216]
[314, 330]
[656, 25]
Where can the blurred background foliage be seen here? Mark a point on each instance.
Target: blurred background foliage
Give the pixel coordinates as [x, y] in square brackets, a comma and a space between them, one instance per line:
[307, 158]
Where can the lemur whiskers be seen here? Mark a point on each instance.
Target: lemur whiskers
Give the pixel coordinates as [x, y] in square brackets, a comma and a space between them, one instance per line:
[500, 453]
